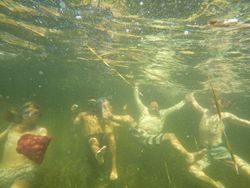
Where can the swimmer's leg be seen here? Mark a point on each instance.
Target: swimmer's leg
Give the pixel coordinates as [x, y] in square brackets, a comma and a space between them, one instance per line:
[243, 166]
[97, 151]
[112, 147]
[196, 170]
[190, 157]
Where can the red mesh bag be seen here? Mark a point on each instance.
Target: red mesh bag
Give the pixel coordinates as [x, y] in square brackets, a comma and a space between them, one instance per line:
[33, 146]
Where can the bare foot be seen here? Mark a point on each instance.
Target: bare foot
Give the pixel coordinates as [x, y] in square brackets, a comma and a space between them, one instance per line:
[100, 155]
[193, 157]
[113, 176]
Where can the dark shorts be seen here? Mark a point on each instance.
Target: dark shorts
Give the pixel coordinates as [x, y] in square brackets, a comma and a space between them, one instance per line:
[219, 152]
[216, 153]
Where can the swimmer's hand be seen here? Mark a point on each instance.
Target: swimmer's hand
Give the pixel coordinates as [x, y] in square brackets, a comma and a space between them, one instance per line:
[107, 115]
[5, 132]
[116, 124]
[74, 108]
[189, 97]
[136, 85]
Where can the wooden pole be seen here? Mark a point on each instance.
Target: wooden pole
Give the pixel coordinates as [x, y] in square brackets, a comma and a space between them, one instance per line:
[228, 145]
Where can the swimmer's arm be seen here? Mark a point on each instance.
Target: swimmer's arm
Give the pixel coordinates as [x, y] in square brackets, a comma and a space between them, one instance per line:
[78, 118]
[138, 101]
[233, 117]
[196, 105]
[122, 118]
[5, 132]
[173, 108]
[43, 131]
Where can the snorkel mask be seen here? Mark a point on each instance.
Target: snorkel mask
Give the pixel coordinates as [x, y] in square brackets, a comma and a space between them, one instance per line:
[30, 114]
[30, 110]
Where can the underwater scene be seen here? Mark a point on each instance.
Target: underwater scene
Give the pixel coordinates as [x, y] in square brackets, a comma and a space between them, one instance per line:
[124, 94]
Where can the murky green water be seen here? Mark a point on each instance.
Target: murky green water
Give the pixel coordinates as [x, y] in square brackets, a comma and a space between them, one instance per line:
[59, 55]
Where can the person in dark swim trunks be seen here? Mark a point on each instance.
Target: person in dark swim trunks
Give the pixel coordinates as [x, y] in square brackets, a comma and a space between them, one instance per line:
[104, 110]
[211, 130]
[96, 125]
[91, 128]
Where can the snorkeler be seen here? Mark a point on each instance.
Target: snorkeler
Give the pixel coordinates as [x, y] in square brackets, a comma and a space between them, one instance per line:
[25, 146]
[97, 128]
[211, 130]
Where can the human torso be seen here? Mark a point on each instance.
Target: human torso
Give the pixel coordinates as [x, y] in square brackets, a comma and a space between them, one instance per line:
[91, 124]
[150, 123]
[211, 129]
[10, 156]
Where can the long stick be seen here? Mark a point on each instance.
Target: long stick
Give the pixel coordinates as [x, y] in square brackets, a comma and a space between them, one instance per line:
[216, 101]
[107, 64]
[229, 147]
[167, 172]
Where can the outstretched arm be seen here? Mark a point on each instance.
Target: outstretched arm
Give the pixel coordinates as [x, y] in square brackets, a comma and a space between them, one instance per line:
[233, 117]
[78, 118]
[174, 108]
[123, 119]
[4, 133]
[196, 105]
[141, 107]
